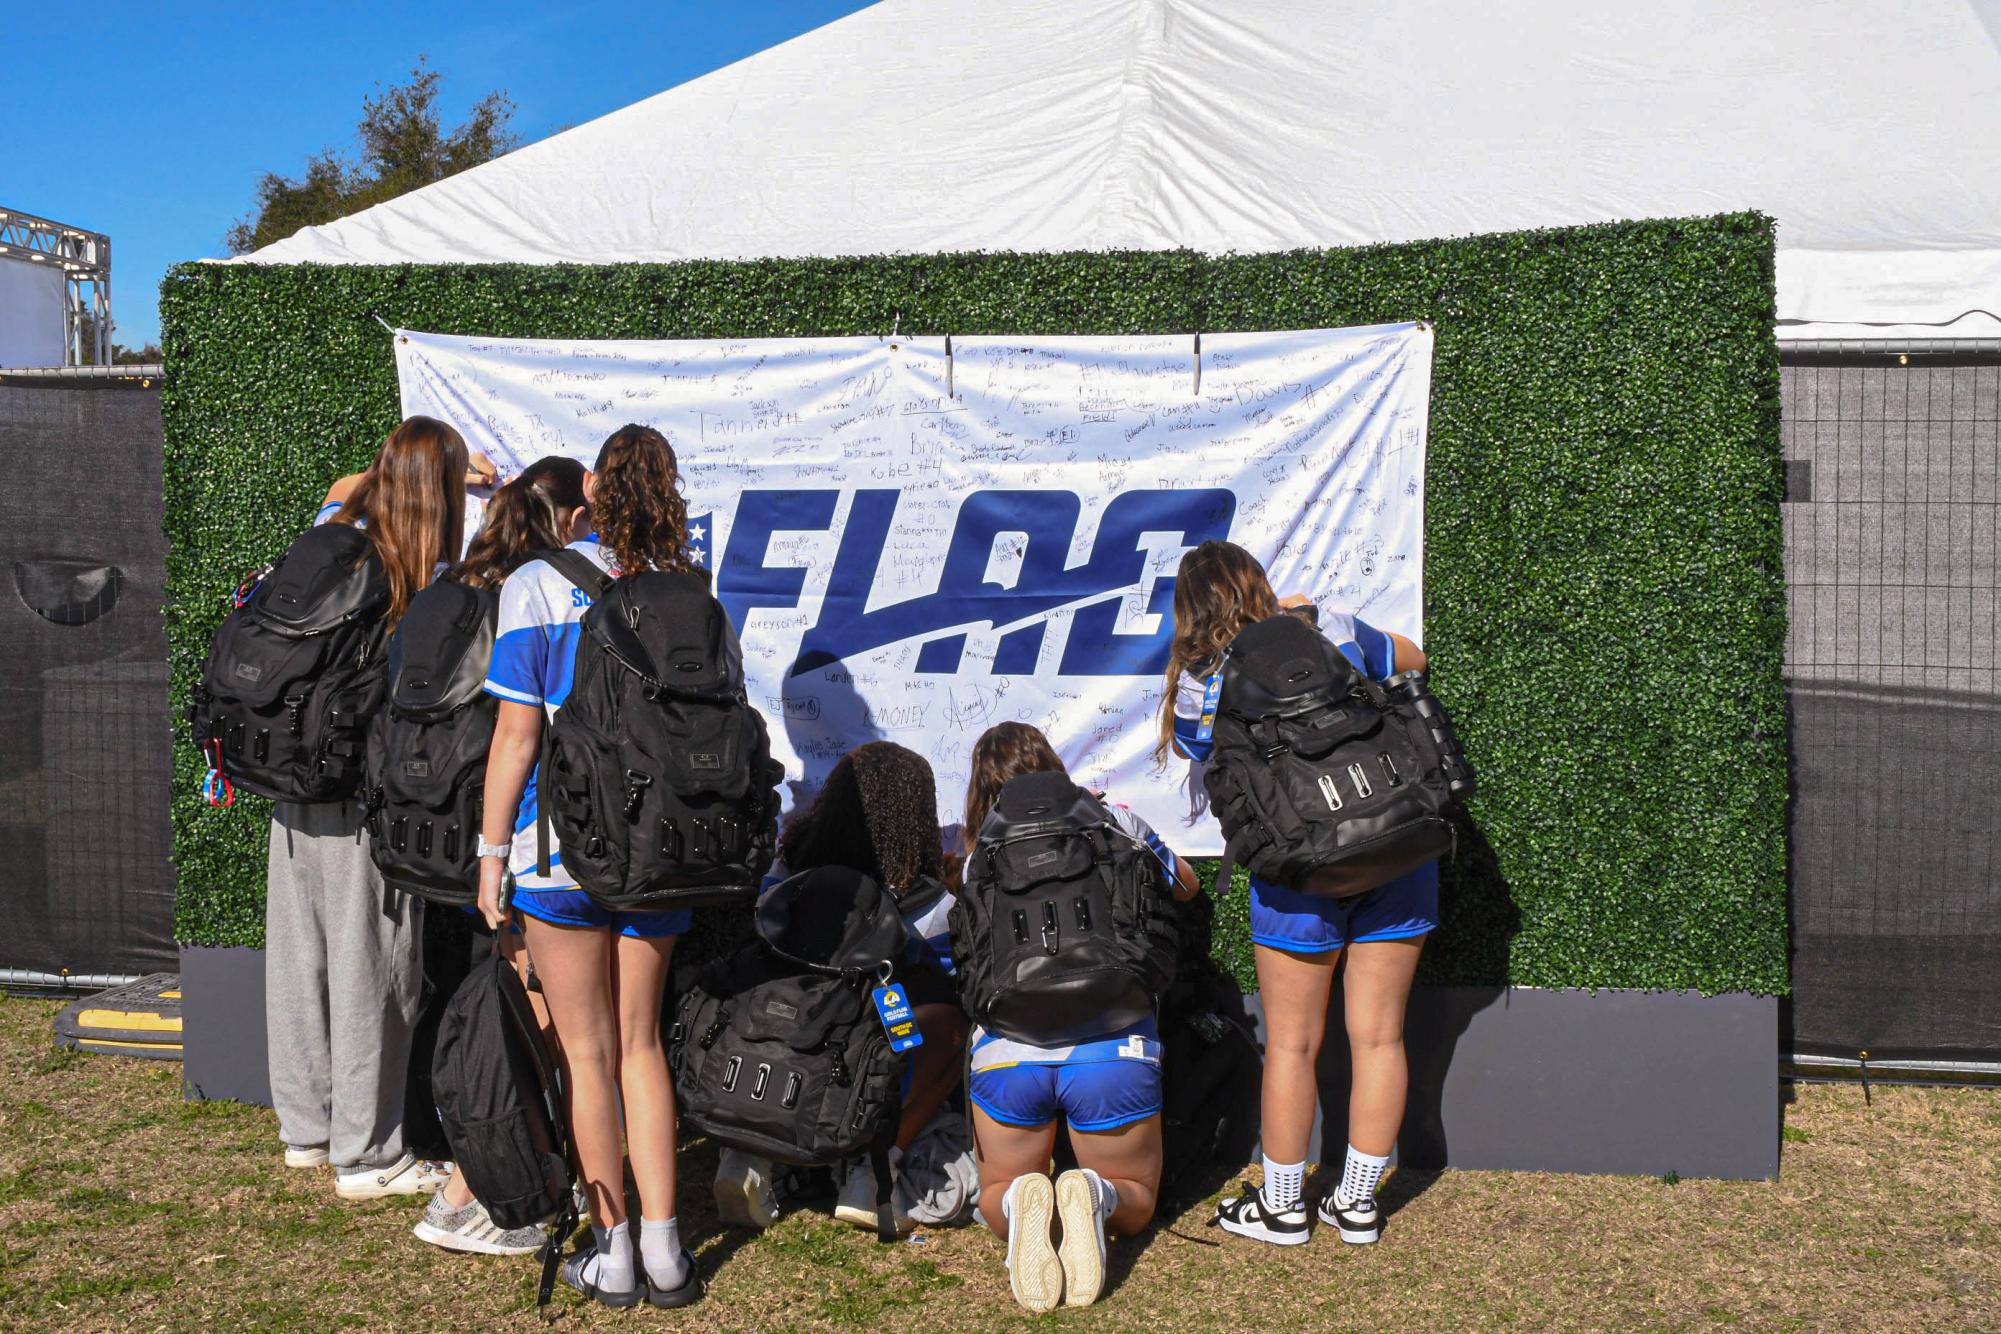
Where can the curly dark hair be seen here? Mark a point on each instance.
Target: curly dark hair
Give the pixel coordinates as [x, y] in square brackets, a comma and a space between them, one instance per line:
[877, 814]
[636, 502]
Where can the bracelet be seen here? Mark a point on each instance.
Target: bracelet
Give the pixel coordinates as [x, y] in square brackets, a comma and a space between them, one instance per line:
[500, 850]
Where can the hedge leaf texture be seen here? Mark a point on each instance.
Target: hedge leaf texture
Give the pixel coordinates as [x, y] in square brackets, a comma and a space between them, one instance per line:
[1605, 610]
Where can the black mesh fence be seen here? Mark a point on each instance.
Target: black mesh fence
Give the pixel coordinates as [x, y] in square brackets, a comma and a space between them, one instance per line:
[1892, 525]
[84, 758]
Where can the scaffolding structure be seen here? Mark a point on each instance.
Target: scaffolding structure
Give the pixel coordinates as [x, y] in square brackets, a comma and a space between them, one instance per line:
[85, 259]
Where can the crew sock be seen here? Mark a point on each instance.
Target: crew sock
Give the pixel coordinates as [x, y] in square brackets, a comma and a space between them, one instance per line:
[1359, 1177]
[660, 1250]
[1283, 1183]
[610, 1270]
[1108, 1196]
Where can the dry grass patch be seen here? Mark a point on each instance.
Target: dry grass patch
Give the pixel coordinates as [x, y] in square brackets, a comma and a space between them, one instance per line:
[123, 1207]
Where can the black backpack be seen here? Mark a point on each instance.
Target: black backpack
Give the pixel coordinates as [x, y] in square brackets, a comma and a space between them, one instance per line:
[1065, 930]
[499, 1098]
[777, 1049]
[427, 748]
[295, 672]
[658, 774]
[1211, 1069]
[1324, 780]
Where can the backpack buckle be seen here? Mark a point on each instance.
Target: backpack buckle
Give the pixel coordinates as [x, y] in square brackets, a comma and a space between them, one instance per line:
[636, 784]
[1049, 929]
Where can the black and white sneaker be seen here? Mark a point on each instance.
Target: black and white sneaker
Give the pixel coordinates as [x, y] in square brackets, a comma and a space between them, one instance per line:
[1359, 1224]
[1249, 1216]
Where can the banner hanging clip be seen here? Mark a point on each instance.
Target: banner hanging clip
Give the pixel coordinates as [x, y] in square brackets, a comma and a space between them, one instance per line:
[1197, 391]
[401, 338]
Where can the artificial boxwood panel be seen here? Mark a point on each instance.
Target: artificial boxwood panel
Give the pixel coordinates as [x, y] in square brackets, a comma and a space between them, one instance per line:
[1604, 599]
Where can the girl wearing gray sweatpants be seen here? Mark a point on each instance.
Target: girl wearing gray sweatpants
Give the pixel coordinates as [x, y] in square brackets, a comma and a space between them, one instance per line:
[343, 960]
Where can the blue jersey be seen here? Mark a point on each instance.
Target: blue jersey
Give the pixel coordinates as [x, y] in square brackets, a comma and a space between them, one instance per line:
[1371, 650]
[534, 657]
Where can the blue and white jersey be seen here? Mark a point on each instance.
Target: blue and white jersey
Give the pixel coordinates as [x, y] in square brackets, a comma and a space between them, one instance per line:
[928, 927]
[1371, 650]
[1141, 1042]
[534, 656]
[930, 932]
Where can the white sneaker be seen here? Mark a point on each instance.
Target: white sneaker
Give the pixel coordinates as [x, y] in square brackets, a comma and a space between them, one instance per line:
[1034, 1272]
[856, 1203]
[1080, 1204]
[471, 1229]
[305, 1157]
[1360, 1224]
[746, 1190]
[408, 1175]
[1249, 1216]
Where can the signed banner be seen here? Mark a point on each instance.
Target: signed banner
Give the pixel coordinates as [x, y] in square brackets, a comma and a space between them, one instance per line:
[915, 543]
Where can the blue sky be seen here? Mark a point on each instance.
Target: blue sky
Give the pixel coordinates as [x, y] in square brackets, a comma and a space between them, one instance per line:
[153, 123]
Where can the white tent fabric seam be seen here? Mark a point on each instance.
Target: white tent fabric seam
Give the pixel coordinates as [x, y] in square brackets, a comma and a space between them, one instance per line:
[919, 126]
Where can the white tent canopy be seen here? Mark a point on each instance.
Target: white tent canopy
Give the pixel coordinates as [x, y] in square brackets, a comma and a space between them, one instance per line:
[1871, 129]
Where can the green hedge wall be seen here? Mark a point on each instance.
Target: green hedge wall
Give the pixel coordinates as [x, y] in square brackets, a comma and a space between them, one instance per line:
[1605, 611]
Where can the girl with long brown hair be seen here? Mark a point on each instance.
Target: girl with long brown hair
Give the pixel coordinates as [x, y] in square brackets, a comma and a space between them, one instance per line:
[602, 972]
[1298, 938]
[343, 966]
[1107, 1090]
[541, 509]
[533, 512]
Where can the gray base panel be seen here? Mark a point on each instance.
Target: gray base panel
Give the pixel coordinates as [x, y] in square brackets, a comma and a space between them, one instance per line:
[1625, 1082]
[222, 1022]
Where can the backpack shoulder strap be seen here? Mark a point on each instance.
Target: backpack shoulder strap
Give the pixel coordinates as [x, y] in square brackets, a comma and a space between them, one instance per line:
[580, 570]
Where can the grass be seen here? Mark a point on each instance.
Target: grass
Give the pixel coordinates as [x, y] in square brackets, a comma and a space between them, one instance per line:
[123, 1207]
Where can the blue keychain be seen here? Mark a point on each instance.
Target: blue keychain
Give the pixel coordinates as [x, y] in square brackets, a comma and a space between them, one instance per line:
[892, 1005]
[1210, 696]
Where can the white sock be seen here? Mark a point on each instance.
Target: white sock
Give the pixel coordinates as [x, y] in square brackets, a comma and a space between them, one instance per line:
[1108, 1195]
[1007, 1212]
[1359, 1177]
[611, 1268]
[1283, 1183]
[660, 1251]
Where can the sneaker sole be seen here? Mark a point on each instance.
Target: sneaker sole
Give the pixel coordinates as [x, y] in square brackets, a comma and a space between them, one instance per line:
[305, 1158]
[1353, 1236]
[458, 1241]
[1257, 1232]
[1034, 1272]
[371, 1191]
[734, 1206]
[1082, 1252]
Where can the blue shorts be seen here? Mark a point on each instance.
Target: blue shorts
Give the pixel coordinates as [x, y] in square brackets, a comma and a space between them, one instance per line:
[1286, 919]
[1090, 1095]
[574, 907]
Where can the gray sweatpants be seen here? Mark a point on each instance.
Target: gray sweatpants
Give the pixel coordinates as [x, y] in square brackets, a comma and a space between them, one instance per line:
[343, 986]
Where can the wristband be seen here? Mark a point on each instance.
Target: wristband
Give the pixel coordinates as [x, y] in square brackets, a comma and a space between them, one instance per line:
[500, 850]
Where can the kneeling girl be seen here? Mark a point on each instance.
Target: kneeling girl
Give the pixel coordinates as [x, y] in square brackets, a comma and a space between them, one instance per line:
[1107, 1090]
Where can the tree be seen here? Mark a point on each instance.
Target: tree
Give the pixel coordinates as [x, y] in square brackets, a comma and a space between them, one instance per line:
[403, 147]
[121, 355]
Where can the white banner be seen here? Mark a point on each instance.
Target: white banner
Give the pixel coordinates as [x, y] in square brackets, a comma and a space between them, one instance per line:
[915, 545]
